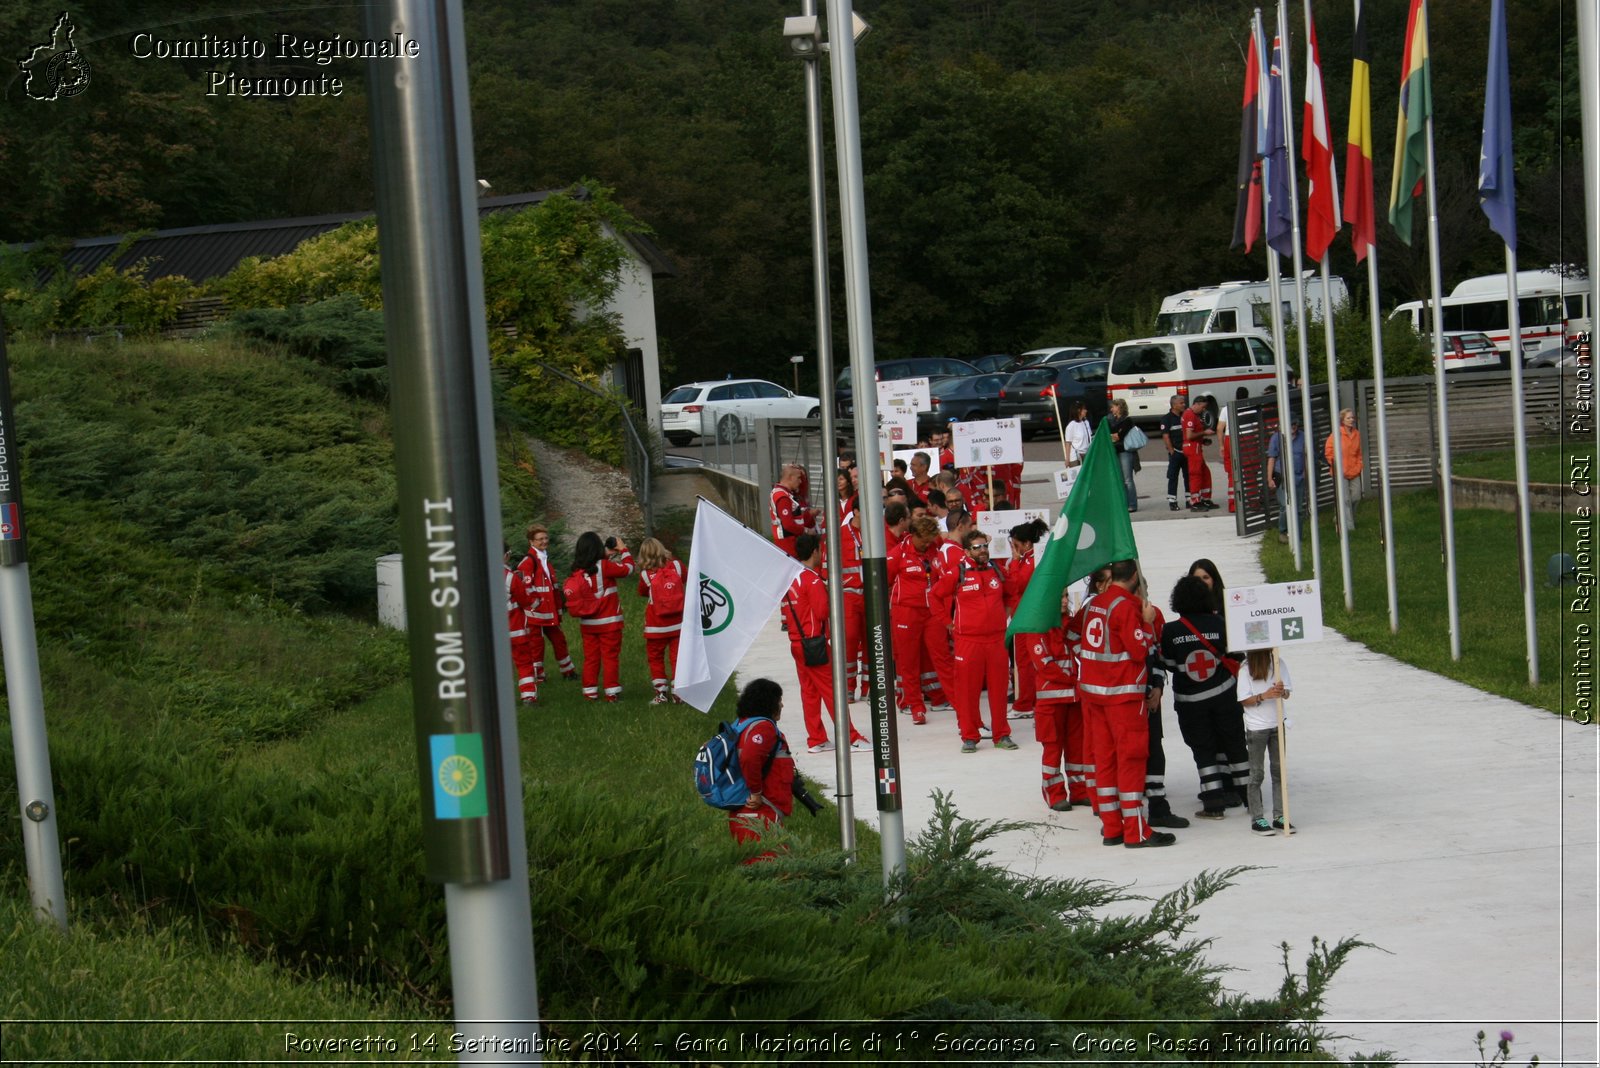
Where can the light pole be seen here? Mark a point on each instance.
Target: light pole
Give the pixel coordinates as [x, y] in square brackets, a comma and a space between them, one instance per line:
[805, 41]
[797, 359]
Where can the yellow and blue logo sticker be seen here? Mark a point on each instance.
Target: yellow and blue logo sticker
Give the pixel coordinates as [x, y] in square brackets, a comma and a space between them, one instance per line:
[460, 791]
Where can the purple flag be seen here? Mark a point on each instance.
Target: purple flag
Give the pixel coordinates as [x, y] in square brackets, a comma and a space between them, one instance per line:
[1497, 191]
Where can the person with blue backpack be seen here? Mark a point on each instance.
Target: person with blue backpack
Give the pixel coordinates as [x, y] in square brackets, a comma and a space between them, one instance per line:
[764, 760]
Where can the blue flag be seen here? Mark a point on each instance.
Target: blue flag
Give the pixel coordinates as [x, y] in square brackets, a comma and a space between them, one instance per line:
[1497, 191]
[1276, 166]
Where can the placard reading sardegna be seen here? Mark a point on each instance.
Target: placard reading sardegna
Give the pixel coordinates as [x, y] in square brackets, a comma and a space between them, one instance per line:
[284, 47]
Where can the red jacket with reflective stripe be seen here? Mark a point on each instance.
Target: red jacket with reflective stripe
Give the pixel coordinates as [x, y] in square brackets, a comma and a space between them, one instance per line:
[980, 599]
[1114, 648]
[609, 615]
[910, 575]
[1052, 657]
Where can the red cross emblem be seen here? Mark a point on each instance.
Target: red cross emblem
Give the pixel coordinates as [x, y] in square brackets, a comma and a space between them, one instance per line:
[1200, 665]
[1095, 633]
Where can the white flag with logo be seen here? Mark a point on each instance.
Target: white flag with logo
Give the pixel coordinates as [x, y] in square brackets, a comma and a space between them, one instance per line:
[736, 580]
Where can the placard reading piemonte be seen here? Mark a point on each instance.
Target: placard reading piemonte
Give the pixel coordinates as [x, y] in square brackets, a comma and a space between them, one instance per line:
[1277, 614]
[986, 442]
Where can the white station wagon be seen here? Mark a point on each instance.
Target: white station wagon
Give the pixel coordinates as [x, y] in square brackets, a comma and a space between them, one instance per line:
[728, 408]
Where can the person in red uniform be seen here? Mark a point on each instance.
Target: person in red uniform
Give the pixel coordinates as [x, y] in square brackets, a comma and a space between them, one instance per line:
[921, 476]
[519, 598]
[896, 524]
[1113, 671]
[911, 567]
[662, 582]
[1195, 435]
[855, 607]
[805, 612]
[601, 564]
[544, 616]
[1023, 538]
[976, 588]
[789, 516]
[1008, 483]
[765, 761]
[1057, 724]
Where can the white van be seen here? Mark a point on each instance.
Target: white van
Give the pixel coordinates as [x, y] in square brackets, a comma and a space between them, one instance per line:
[1243, 306]
[1221, 367]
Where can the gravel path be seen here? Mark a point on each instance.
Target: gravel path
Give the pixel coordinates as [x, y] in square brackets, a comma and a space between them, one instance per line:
[582, 494]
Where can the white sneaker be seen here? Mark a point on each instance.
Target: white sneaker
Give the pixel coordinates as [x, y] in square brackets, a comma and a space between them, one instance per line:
[983, 730]
[823, 747]
[943, 706]
[860, 745]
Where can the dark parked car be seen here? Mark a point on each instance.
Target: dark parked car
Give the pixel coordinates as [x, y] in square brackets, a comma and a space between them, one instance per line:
[993, 365]
[1057, 354]
[1026, 397]
[929, 367]
[966, 398]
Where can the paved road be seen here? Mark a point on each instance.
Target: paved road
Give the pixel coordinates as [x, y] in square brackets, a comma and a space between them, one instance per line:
[1453, 829]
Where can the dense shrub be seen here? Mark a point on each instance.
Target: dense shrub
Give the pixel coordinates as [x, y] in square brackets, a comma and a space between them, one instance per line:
[339, 333]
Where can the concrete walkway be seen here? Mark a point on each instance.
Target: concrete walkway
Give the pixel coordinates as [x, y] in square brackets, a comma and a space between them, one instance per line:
[1453, 829]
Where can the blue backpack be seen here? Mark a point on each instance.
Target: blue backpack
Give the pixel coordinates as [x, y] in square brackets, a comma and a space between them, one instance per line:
[718, 775]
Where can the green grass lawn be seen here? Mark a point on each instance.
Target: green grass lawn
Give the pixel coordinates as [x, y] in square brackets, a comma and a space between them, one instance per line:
[1493, 646]
[1546, 463]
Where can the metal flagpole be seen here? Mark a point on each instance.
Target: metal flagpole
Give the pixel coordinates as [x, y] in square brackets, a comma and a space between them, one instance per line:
[1385, 486]
[858, 315]
[1274, 271]
[1341, 506]
[1446, 492]
[1520, 434]
[469, 767]
[1497, 196]
[819, 268]
[41, 842]
[1301, 318]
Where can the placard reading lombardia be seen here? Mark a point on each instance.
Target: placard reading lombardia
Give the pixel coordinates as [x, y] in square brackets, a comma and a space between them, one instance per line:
[281, 47]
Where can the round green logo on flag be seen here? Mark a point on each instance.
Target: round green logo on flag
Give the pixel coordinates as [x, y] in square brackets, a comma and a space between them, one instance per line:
[716, 606]
[457, 775]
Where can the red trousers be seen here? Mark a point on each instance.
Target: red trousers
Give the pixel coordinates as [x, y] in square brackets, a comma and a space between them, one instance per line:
[816, 693]
[979, 661]
[527, 649]
[558, 644]
[1027, 681]
[749, 825]
[1050, 729]
[939, 666]
[662, 655]
[855, 642]
[602, 652]
[1119, 738]
[1199, 472]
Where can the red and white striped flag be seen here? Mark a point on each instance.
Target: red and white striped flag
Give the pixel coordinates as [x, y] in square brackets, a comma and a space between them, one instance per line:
[1316, 148]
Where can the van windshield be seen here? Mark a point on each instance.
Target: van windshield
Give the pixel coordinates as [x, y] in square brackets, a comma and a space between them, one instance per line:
[1184, 322]
[1152, 359]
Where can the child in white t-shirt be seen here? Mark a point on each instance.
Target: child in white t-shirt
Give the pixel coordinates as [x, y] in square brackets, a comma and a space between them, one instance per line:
[1258, 695]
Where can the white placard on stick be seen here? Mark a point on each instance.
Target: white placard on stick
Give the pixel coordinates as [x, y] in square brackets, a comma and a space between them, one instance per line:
[986, 442]
[905, 392]
[900, 423]
[1064, 480]
[998, 526]
[1281, 613]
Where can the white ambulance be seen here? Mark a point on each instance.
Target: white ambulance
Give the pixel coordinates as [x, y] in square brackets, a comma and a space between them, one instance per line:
[1220, 367]
[1243, 307]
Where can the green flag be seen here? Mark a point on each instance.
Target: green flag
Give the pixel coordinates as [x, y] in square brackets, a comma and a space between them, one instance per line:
[1092, 530]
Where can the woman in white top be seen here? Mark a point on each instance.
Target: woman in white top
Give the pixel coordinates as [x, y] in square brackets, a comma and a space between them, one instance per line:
[1078, 433]
[1259, 693]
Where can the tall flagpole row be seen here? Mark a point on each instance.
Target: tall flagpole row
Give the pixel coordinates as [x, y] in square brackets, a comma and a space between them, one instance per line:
[1301, 323]
[1446, 490]
[1381, 403]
